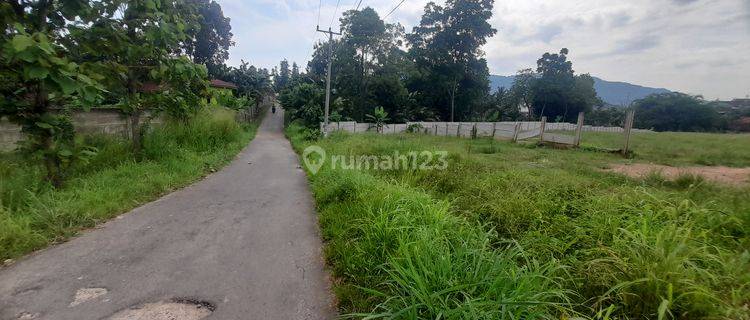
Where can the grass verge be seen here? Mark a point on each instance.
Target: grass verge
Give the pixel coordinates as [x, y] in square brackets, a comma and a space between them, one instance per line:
[34, 215]
[514, 231]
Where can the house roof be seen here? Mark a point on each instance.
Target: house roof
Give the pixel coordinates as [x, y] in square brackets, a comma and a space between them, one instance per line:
[216, 83]
[150, 87]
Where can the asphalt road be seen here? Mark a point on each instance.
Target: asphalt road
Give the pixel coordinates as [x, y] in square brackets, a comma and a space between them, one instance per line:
[245, 240]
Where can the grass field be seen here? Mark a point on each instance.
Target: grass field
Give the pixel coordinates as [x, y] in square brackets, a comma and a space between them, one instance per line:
[33, 214]
[513, 231]
[679, 148]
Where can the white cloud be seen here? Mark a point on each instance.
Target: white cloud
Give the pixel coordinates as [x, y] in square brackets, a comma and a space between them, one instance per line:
[694, 46]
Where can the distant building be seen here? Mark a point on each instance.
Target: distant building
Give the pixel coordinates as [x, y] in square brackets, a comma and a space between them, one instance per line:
[220, 84]
[737, 103]
[221, 92]
[743, 103]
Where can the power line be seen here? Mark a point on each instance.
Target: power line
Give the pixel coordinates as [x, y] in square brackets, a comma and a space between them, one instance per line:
[320, 3]
[360, 2]
[334, 13]
[394, 9]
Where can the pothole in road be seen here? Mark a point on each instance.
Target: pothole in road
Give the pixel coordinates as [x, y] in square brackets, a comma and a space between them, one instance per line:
[175, 309]
[86, 294]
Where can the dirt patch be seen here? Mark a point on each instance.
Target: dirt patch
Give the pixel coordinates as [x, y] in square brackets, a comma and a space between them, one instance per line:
[167, 310]
[86, 294]
[727, 175]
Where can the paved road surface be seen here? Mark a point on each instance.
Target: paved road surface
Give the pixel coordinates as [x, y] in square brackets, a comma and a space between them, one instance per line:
[245, 239]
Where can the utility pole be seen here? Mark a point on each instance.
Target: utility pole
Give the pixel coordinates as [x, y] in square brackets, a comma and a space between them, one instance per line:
[328, 76]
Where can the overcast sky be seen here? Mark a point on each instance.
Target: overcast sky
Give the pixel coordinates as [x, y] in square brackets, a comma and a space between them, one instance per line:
[692, 46]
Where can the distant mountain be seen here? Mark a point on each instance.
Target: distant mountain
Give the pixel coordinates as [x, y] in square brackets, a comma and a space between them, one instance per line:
[614, 93]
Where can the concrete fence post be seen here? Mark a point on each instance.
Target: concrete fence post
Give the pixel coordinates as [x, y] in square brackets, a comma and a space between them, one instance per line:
[579, 129]
[629, 118]
[516, 131]
[541, 129]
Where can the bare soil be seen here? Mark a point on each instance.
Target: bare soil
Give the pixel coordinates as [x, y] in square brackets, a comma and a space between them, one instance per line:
[726, 175]
[164, 311]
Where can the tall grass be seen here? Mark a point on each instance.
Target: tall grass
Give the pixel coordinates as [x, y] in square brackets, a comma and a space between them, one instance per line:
[593, 244]
[33, 214]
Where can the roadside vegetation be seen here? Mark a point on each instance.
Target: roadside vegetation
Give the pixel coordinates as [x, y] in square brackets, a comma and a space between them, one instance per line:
[512, 231]
[157, 61]
[34, 214]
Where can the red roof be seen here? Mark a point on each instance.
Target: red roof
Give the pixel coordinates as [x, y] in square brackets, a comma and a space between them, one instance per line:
[150, 87]
[216, 83]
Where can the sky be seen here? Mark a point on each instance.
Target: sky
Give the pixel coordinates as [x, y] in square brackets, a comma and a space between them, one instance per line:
[692, 46]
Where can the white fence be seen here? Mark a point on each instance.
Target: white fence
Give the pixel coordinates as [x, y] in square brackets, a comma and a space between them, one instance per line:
[500, 130]
[556, 133]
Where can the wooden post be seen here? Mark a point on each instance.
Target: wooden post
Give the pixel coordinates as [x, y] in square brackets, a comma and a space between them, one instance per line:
[458, 130]
[579, 129]
[629, 117]
[541, 129]
[355, 127]
[474, 132]
[494, 128]
[516, 131]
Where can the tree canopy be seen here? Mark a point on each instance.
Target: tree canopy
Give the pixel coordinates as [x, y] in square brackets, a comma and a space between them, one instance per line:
[137, 55]
[209, 40]
[558, 93]
[677, 112]
[446, 47]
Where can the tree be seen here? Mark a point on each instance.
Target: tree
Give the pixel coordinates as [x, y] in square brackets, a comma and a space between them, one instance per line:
[676, 111]
[368, 67]
[364, 39]
[209, 40]
[282, 80]
[251, 81]
[446, 47]
[499, 106]
[558, 93]
[606, 116]
[295, 73]
[304, 103]
[37, 76]
[522, 91]
[142, 36]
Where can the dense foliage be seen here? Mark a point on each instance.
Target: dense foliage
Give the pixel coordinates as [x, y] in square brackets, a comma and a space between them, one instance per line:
[60, 56]
[208, 43]
[441, 76]
[677, 112]
[38, 76]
